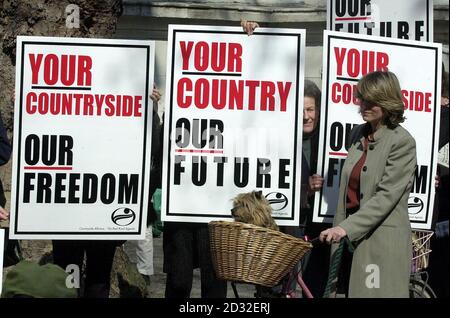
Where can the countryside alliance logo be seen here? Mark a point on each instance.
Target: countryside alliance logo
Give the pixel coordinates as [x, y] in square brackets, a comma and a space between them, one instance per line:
[123, 216]
[415, 205]
[277, 200]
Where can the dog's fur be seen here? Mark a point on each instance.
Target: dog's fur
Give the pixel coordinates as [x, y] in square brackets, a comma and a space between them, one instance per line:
[253, 208]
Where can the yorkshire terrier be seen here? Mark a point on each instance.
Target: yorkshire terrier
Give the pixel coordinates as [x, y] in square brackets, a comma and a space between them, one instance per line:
[253, 208]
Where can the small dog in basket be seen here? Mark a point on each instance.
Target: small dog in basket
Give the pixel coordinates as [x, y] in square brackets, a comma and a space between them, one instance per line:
[253, 208]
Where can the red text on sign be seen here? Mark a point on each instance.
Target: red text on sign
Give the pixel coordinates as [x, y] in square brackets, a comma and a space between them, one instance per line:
[216, 56]
[65, 69]
[231, 94]
[343, 93]
[83, 104]
[359, 63]
[417, 101]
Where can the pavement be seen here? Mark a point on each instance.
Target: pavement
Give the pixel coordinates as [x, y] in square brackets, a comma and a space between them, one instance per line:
[158, 280]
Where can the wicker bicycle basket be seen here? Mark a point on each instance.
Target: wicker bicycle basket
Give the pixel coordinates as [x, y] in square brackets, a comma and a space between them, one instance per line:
[420, 249]
[247, 253]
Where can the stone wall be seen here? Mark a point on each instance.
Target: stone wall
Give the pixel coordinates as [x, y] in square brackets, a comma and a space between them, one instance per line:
[45, 18]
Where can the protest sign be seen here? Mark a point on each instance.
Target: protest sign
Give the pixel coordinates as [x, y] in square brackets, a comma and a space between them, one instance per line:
[82, 138]
[411, 19]
[233, 121]
[347, 57]
[2, 246]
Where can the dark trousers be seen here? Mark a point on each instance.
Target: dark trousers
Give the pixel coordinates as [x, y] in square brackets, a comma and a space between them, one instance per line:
[439, 266]
[186, 247]
[99, 260]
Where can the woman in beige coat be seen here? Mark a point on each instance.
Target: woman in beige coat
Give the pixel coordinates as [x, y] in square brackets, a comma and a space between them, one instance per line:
[375, 184]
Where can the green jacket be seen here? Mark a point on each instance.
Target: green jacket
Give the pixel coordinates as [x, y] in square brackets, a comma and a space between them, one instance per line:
[381, 227]
[29, 279]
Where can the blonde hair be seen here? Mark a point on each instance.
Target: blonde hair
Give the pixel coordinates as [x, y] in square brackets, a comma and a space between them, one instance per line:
[383, 89]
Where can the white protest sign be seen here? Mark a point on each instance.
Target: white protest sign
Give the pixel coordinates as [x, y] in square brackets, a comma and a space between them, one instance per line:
[82, 138]
[2, 246]
[347, 57]
[407, 19]
[234, 121]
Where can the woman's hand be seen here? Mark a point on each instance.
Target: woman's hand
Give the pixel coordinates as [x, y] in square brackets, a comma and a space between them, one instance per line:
[4, 215]
[249, 26]
[333, 235]
[315, 183]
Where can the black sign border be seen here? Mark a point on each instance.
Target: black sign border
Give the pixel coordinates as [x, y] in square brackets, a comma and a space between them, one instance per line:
[190, 214]
[427, 22]
[322, 169]
[80, 233]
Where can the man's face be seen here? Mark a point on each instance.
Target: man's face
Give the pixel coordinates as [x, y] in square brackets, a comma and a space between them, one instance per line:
[310, 115]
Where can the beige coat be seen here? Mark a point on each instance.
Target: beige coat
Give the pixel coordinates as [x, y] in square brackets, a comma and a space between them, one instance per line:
[380, 228]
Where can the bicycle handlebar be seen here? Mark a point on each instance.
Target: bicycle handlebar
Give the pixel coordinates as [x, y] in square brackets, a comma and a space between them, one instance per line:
[315, 241]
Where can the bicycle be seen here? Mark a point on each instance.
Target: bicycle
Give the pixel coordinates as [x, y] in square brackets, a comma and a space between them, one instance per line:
[245, 253]
[287, 289]
[418, 284]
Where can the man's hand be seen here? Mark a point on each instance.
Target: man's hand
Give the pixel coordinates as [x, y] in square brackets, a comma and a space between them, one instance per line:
[315, 183]
[333, 235]
[156, 95]
[249, 26]
[4, 215]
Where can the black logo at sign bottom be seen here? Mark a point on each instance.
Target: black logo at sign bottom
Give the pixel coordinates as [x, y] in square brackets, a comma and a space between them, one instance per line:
[277, 200]
[415, 205]
[123, 216]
